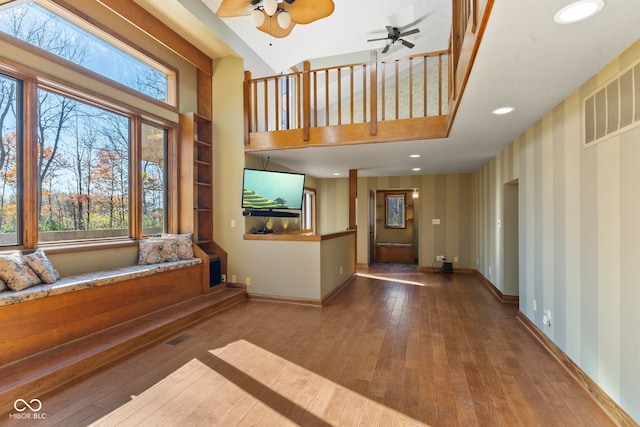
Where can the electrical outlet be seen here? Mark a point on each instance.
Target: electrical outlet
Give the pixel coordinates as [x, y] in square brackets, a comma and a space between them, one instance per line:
[233, 278]
[223, 277]
[546, 319]
[340, 269]
[535, 305]
[455, 259]
[247, 281]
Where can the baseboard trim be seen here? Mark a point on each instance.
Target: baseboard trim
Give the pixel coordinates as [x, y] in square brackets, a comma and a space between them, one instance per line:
[285, 300]
[507, 299]
[302, 301]
[615, 412]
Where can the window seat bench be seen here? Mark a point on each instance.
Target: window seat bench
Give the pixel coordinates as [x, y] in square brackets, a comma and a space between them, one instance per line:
[55, 333]
[90, 280]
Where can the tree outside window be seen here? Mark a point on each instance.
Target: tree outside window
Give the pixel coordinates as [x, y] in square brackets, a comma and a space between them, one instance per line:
[83, 163]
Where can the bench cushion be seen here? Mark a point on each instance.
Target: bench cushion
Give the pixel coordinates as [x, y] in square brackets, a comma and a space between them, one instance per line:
[89, 280]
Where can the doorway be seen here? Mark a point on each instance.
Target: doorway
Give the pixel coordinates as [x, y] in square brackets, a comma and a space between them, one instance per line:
[392, 213]
[510, 236]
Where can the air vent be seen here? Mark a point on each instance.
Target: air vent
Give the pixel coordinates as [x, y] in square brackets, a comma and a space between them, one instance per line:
[613, 108]
[179, 339]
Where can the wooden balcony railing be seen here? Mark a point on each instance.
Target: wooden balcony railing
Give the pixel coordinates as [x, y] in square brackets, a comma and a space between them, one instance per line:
[349, 97]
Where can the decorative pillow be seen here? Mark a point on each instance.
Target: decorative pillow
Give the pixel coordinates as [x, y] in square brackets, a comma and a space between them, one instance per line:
[185, 247]
[39, 263]
[16, 273]
[154, 251]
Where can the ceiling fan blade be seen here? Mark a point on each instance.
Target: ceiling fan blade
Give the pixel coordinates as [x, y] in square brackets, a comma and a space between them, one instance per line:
[408, 33]
[386, 48]
[375, 40]
[407, 44]
[229, 8]
[391, 30]
[306, 11]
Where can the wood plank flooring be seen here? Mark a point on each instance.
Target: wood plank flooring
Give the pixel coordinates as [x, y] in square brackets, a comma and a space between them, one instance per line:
[395, 347]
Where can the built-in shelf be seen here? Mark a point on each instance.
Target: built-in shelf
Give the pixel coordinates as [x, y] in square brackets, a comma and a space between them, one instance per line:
[196, 186]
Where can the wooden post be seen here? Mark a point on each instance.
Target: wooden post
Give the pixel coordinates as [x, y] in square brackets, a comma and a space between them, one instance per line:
[246, 86]
[353, 197]
[306, 100]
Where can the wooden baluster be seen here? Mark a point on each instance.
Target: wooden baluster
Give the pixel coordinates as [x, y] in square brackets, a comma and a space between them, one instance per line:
[397, 89]
[425, 89]
[339, 96]
[326, 96]
[411, 87]
[373, 82]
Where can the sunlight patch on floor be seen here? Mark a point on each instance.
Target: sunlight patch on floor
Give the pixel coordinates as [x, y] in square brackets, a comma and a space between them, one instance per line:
[391, 279]
[243, 384]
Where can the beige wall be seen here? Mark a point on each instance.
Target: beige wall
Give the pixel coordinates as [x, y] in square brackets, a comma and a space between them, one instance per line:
[579, 238]
[448, 198]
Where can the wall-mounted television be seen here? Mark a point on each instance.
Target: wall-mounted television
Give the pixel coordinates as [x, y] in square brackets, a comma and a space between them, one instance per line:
[268, 190]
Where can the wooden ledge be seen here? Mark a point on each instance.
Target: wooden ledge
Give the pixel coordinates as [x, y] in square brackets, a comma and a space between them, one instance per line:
[52, 369]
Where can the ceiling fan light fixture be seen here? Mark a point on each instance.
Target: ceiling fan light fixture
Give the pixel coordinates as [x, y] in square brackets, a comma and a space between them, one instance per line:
[578, 10]
[258, 17]
[284, 19]
[270, 6]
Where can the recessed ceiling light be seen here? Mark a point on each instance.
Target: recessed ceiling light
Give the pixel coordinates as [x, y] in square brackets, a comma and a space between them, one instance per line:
[415, 169]
[577, 11]
[336, 174]
[415, 156]
[502, 110]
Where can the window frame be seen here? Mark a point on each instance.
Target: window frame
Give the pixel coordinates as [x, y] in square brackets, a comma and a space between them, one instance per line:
[102, 31]
[30, 82]
[135, 105]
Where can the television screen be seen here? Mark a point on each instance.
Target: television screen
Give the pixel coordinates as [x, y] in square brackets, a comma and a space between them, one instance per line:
[263, 189]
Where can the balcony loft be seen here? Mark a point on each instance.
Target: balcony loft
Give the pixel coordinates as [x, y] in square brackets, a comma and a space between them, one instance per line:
[378, 101]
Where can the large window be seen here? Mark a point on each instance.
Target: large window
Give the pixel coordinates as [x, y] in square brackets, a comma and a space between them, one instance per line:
[76, 166]
[41, 27]
[9, 152]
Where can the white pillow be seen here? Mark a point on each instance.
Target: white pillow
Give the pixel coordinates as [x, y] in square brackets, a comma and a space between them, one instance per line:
[16, 273]
[39, 262]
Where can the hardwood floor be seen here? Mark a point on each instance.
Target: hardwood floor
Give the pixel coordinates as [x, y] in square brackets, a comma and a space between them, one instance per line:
[392, 348]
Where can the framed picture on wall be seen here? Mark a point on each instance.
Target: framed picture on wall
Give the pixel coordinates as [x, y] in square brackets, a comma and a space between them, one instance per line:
[395, 212]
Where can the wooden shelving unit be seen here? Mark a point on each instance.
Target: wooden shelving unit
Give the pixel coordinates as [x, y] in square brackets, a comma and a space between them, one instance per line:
[196, 185]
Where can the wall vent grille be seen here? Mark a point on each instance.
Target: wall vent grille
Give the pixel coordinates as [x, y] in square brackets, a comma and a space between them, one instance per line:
[613, 108]
[179, 339]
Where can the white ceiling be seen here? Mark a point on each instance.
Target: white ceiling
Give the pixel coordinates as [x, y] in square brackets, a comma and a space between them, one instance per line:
[525, 60]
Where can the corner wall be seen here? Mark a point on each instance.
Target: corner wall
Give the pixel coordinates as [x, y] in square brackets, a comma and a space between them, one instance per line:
[579, 238]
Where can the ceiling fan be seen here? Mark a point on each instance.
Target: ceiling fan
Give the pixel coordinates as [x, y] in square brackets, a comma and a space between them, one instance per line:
[394, 35]
[287, 13]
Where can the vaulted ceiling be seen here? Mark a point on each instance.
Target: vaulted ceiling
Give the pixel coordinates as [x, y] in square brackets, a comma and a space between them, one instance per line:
[525, 60]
